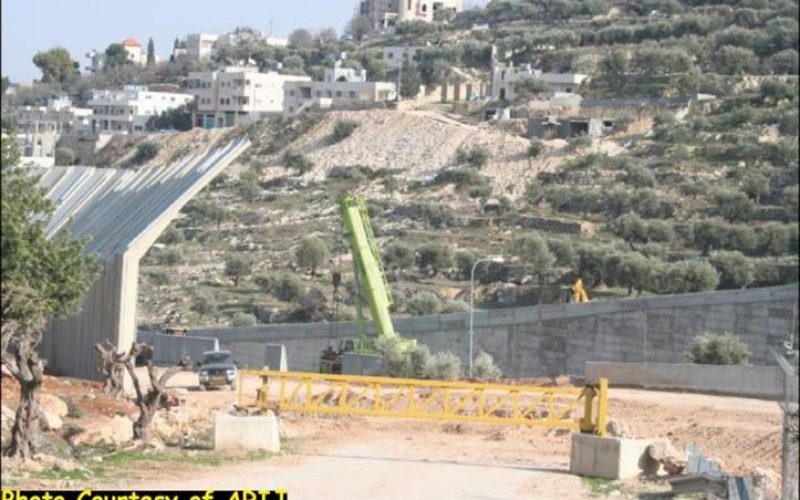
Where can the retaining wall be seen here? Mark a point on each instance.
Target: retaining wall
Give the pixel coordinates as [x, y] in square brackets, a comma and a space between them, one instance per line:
[558, 339]
[735, 380]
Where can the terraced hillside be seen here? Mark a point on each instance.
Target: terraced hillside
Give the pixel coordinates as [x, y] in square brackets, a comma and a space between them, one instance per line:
[670, 202]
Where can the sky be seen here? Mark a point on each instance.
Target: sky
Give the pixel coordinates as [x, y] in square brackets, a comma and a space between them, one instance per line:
[30, 26]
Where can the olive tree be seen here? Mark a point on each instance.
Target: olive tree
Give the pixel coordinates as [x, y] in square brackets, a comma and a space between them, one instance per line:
[42, 278]
[311, 253]
[735, 270]
[533, 252]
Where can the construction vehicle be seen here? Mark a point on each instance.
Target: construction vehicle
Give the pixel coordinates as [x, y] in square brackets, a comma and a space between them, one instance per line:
[579, 292]
[370, 287]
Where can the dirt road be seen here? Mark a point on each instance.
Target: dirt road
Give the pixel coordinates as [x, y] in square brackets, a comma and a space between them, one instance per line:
[382, 469]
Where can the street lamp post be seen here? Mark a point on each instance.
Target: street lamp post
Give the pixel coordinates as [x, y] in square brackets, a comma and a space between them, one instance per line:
[499, 260]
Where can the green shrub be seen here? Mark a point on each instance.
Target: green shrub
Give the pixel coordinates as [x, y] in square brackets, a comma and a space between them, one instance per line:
[718, 349]
[476, 157]
[398, 256]
[297, 161]
[535, 148]
[434, 256]
[564, 252]
[159, 278]
[172, 236]
[342, 130]
[202, 306]
[65, 157]
[145, 151]
[444, 365]
[484, 367]
[288, 287]
[424, 303]
[243, 319]
[732, 205]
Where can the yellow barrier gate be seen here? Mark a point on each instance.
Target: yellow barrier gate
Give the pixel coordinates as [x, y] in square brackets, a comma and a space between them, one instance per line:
[550, 407]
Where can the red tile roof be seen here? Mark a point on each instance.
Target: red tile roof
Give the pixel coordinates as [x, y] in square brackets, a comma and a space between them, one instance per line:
[131, 42]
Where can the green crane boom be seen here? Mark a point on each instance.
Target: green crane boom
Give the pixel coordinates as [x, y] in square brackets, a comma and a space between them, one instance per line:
[369, 275]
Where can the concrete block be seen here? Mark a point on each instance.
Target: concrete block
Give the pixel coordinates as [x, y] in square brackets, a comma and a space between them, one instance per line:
[276, 357]
[255, 432]
[363, 364]
[608, 457]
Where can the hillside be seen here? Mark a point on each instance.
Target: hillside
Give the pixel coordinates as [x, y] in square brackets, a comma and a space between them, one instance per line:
[674, 200]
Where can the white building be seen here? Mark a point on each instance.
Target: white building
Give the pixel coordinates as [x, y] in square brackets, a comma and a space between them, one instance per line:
[59, 116]
[396, 56]
[133, 49]
[385, 14]
[200, 46]
[340, 88]
[136, 53]
[504, 79]
[126, 111]
[41, 128]
[236, 95]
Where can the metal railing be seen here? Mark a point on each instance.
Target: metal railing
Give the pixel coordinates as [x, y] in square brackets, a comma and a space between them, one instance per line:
[536, 406]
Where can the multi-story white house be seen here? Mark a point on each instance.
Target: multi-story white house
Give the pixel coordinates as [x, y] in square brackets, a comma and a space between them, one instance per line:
[200, 46]
[41, 127]
[59, 116]
[340, 88]
[385, 14]
[505, 78]
[396, 56]
[236, 95]
[126, 111]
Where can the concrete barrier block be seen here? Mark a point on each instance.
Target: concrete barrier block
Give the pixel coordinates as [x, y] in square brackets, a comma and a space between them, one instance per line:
[608, 457]
[276, 357]
[254, 432]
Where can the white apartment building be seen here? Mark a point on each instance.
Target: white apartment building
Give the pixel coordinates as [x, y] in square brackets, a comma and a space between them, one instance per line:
[340, 88]
[396, 56]
[504, 78]
[236, 95]
[126, 111]
[59, 117]
[200, 46]
[385, 14]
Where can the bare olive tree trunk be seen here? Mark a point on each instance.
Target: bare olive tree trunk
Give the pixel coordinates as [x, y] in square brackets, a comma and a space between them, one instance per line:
[24, 363]
[153, 400]
[113, 368]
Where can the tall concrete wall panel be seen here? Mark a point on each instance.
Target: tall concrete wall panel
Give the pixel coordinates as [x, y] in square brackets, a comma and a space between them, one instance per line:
[122, 212]
[560, 339]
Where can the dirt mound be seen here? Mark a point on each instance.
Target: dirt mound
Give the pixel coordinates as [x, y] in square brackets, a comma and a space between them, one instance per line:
[420, 144]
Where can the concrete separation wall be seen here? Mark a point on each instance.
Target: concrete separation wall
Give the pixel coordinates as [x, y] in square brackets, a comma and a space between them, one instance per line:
[170, 349]
[735, 380]
[558, 339]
